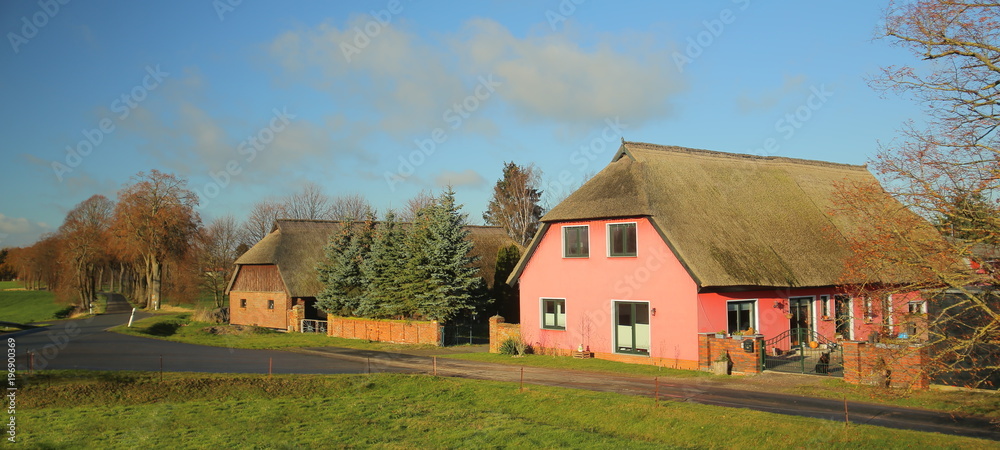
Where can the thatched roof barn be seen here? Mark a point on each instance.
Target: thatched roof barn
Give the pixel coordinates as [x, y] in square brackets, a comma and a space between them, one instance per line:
[296, 247]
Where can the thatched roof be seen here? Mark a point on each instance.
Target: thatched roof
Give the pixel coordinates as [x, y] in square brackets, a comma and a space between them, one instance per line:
[732, 220]
[296, 247]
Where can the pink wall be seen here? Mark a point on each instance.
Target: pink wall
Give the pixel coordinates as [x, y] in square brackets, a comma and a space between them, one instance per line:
[772, 321]
[589, 286]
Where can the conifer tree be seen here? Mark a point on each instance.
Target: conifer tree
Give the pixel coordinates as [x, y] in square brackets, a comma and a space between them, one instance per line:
[382, 269]
[452, 285]
[341, 272]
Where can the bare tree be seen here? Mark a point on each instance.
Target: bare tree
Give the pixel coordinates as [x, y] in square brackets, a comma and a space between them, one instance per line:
[947, 172]
[220, 240]
[86, 234]
[514, 205]
[155, 221]
[416, 203]
[261, 220]
[309, 203]
[350, 207]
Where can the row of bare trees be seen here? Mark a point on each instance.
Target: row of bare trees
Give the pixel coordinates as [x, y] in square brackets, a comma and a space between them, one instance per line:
[151, 242]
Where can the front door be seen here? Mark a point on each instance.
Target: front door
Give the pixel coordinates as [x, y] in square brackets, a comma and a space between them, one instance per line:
[800, 317]
[632, 327]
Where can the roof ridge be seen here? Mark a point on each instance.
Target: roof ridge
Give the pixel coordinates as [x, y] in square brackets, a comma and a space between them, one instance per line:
[718, 154]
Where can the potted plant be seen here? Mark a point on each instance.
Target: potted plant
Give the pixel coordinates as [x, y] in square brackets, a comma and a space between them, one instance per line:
[738, 334]
[720, 334]
[721, 364]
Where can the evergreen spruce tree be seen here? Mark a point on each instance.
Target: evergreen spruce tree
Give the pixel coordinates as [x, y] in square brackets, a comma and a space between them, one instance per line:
[383, 269]
[334, 296]
[341, 273]
[452, 284]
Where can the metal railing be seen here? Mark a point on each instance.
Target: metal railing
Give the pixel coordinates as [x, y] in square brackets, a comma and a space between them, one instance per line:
[313, 326]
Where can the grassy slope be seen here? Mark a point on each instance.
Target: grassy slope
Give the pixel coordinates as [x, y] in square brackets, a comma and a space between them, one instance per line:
[26, 306]
[129, 410]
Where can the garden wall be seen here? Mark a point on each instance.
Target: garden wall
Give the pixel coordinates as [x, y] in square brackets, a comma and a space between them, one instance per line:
[710, 347]
[891, 365]
[500, 331]
[395, 331]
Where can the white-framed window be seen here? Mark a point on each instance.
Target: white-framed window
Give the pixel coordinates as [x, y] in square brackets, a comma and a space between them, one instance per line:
[576, 241]
[554, 313]
[825, 310]
[270, 304]
[741, 315]
[917, 307]
[622, 239]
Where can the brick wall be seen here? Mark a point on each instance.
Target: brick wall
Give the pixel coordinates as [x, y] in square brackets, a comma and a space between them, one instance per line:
[395, 331]
[295, 316]
[500, 332]
[893, 365]
[710, 347]
[256, 311]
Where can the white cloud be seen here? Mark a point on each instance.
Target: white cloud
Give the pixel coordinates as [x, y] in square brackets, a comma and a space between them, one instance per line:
[552, 77]
[467, 177]
[19, 231]
[409, 81]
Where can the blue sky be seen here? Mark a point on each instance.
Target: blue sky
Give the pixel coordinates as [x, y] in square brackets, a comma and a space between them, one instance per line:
[252, 99]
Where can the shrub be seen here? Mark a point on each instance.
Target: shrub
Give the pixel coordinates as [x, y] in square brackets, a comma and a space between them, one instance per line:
[514, 346]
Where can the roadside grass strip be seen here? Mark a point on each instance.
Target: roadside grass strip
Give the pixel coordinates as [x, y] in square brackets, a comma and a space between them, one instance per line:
[131, 409]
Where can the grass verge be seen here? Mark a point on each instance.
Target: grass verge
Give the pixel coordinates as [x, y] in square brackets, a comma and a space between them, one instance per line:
[966, 401]
[179, 327]
[590, 365]
[129, 410]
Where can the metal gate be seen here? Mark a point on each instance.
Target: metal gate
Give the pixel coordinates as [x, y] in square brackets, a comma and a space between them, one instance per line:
[801, 350]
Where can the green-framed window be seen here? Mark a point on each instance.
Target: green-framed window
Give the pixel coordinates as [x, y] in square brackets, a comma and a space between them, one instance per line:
[622, 239]
[554, 313]
[632, 327]
[576, 241]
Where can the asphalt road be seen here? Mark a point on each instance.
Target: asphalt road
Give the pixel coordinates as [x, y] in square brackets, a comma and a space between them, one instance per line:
[84, 344]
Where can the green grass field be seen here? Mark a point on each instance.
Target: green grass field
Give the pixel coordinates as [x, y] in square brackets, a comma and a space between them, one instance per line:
[132, 410]
[27, 306]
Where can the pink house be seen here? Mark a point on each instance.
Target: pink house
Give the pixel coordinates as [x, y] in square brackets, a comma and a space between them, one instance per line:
[667, 243]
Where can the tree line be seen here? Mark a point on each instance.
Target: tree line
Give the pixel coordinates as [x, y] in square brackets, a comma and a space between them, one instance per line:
[150, 242]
